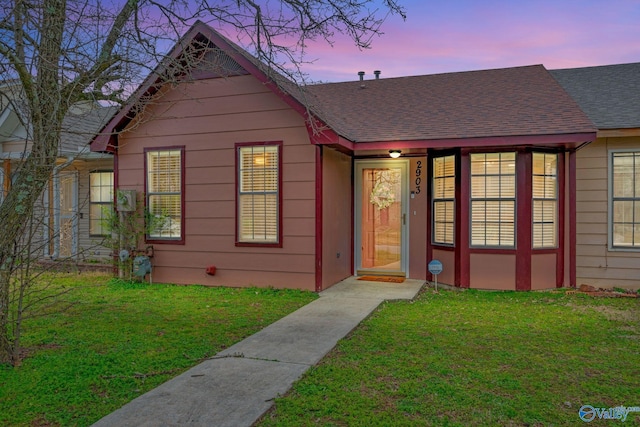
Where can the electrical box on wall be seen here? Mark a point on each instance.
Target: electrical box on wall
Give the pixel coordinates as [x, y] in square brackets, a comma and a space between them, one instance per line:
[126, 200]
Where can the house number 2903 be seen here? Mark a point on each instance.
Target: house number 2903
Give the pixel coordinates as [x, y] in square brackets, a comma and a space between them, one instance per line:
[418, 176]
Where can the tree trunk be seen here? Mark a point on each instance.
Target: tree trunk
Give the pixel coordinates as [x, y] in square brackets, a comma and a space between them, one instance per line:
[15, 212]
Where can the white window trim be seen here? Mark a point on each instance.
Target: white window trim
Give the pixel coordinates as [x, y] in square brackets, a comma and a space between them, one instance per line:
[91, 203]
[610, 245]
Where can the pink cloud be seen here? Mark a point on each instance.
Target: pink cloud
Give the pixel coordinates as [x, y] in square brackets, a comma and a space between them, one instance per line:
[470, 35]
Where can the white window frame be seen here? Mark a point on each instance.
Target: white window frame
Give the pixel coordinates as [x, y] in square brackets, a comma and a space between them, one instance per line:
[610, 201]
[104, 204]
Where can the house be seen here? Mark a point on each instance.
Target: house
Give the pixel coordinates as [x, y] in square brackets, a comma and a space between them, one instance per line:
[70, 212]
[277, 185]
[607, 248]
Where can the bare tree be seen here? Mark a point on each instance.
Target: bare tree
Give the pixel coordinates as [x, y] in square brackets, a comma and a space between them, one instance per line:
[60, 52]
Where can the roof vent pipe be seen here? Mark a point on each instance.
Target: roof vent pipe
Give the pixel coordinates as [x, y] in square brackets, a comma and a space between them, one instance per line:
[361, 74]
[377, 74]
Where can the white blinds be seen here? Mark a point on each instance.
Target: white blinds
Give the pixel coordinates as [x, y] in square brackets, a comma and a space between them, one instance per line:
[164, 194]
[163, 171]
[444, 186]
[625, 199]
[258, 194]
[545, 203]
[493, 192]
[444, 174]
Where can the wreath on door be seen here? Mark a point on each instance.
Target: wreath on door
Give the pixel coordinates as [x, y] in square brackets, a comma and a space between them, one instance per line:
[382, 195]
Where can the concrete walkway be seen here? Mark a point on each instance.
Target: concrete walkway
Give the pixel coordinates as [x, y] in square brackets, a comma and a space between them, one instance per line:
[239, 384]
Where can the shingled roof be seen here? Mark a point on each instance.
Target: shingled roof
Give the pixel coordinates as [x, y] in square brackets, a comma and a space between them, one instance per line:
[490, 103]
[80, 125]
[609, 94]
[80, 128]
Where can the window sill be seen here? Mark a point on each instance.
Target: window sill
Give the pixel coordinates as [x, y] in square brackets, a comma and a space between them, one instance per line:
[492, 250]
[165, 241]
[623, 249]
[258, 245]
[443, 247]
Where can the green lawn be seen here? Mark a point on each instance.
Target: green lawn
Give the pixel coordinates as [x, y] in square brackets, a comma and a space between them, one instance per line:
[119, 340]
[476, 359]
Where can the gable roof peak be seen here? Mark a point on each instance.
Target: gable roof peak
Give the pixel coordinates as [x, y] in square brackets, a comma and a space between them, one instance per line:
[199, 32]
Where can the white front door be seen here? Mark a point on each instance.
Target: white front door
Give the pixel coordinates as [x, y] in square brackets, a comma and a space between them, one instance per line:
[381, 217]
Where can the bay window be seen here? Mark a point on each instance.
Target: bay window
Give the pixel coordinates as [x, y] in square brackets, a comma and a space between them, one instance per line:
[493, 199]
[545, 200]
[444, 185]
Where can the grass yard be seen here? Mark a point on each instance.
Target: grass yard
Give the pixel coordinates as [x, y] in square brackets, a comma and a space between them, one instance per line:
[119, 340]
[476, 359]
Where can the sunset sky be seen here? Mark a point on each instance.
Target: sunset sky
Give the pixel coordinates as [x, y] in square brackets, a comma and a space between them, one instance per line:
[460, 35]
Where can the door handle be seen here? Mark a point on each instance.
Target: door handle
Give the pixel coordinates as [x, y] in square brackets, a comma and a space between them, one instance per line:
[404, 219]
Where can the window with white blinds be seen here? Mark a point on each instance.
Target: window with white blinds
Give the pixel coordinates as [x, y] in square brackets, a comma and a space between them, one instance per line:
[545, 200]
[444, 186]
[258, 194]
[164, 194]
[625, 199]
[493, 199]
[100, 201]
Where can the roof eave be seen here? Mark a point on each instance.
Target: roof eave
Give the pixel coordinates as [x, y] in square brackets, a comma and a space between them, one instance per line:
[618, 132]
[566, 141]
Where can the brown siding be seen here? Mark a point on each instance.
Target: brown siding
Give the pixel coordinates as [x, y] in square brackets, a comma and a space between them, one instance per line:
[208, 117]
[337, 231]
[595, 263]
[447, 258]
[417, 218]
[543, 271]
[489, 271]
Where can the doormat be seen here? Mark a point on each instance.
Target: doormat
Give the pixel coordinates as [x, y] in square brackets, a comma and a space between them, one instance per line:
[388, 279]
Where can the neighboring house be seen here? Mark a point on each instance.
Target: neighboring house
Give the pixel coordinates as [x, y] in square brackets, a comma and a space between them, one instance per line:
[81, 188]
[607, 246]
[287, 187]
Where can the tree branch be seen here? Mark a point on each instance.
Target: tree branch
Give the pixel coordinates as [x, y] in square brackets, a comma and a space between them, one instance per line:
[105, 58]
